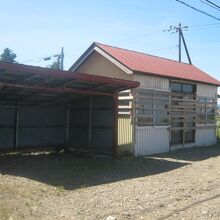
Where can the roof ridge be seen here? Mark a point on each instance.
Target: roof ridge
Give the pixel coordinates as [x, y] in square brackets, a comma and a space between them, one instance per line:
[97, 43]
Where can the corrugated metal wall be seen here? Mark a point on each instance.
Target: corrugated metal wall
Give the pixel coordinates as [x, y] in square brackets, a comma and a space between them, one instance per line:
[102, 124]
[125, 134]
[96, 64]
[206, 90]
[152, 82]
[41, 126]
[46, 126]
[7, 128]
[205, 136]
[151, 140]
[100, 140]
[79, 122]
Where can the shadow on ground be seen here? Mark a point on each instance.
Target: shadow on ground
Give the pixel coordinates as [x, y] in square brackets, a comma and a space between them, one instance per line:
[75, 171]
[193, 154]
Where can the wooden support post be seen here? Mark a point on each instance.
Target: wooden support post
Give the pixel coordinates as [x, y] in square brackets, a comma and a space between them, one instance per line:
[133, 120]
[67, 136]
[16, 126]
[90, 124]
[115, 125]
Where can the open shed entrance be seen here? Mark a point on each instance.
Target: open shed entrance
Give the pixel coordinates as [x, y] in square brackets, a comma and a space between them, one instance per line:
[41, 107]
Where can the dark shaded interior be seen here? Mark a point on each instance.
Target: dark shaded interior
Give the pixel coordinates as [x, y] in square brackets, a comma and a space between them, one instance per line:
[86, 123]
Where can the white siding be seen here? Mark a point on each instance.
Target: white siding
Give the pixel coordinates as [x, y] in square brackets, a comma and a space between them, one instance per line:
[152, 82]
[206, 90]
[151, 140]
[205, 136]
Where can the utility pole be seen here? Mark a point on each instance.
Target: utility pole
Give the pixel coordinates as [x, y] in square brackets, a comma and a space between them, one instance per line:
[60, 58]
[186, 49]
[179, 42]
[179, 29]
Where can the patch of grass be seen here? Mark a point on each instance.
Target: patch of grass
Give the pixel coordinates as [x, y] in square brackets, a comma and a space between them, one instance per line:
[60, 189]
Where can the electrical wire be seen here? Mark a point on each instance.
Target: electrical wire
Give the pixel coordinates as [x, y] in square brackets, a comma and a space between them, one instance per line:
[163, 48]
[68, 53]
[204, 25]
[206, 3]
[203, 12]
[217, 6]
[32, 60]
[203, 28]
[136, 37]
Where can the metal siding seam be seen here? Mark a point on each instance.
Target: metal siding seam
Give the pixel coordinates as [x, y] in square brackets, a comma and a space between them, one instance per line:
[204, 136]
[206, 90]
[147, 142]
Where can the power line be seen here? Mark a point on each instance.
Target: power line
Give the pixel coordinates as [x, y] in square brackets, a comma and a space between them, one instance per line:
[217, 6]
[203, 28]
[67, 53]
[203, 12]
[210, 5]
[162, 48]
[204, 25]
[136, 37]
[32, 60]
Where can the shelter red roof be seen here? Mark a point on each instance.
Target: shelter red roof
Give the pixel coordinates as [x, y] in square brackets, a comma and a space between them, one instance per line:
[31, 82]
[149, 64]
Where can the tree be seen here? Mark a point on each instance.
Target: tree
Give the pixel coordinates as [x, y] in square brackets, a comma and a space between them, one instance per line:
[55, 65]
[8, 56]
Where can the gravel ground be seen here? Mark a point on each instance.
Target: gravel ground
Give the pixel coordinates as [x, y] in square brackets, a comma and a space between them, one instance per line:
[179, 185]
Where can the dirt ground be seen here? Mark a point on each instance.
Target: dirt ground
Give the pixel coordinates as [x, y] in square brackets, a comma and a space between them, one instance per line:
[179, 185]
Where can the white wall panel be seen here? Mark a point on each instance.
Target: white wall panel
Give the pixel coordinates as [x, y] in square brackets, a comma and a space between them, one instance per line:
[205, 136]
[206, 90]
[152, 82]
[151, 140]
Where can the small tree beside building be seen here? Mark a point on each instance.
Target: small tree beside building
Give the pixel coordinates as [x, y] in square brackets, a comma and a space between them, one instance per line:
[8, 56]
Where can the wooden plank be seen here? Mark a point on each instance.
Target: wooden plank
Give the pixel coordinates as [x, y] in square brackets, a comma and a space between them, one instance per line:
[125, 107]
[125, 97]
[182, 128]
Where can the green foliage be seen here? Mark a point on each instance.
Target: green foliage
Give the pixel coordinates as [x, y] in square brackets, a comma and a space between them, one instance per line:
[8, 56]
[55, 65]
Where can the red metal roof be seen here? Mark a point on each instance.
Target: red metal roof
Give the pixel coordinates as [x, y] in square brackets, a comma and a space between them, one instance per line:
[145, 63]
[20, 80]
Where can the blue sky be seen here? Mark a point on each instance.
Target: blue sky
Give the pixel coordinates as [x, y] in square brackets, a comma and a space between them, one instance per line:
[34, 29]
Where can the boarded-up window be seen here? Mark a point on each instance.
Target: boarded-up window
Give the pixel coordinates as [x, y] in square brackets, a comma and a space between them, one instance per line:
[151, 107]
[125, 103]
[206, 110]
[183, 113]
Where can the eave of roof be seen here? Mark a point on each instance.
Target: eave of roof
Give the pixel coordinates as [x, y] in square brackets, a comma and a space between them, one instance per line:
[153, 65]
[40, 80]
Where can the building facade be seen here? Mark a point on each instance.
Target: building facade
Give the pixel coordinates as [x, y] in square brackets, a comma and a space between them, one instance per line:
[174, 106]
